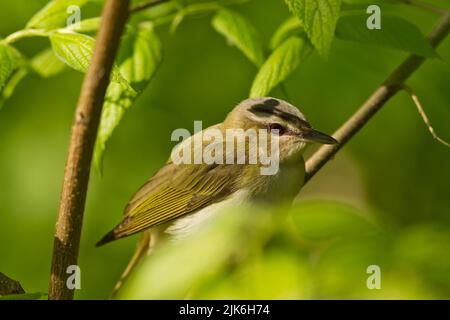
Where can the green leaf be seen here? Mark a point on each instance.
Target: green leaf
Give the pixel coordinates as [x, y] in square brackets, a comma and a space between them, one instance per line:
[395, 33]
[233, 234]
[287, 29]
[75, 50]
[85, 26]
[54, 15]
[138, 60]
[162, 10]
[319, 18]
[240, 32]
[140, 56]
[9, 62]
[281, 63]
[11, 85]
[46, 64]
[11, 71]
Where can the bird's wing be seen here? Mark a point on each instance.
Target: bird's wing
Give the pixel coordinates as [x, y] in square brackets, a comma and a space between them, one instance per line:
[174, 191]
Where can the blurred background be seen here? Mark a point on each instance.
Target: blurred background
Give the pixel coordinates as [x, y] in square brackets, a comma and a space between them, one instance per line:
[392, 176]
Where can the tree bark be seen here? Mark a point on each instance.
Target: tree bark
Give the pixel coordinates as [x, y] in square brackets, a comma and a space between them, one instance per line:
[378, 99]
[84, 133]
[9, 286]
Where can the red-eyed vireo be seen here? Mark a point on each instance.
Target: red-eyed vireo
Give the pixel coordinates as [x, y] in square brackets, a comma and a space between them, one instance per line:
[182, 195]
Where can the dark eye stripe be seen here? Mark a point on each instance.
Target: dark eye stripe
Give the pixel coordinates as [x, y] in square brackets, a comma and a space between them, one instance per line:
[262, 108]
[271, 102]
[271, 110]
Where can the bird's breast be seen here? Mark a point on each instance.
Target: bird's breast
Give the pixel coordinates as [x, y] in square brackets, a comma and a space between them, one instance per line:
[186, 225]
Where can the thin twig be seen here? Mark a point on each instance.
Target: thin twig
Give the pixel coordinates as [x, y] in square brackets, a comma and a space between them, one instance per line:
[145, 5]
[424, 116]
[27, 33]
[84, 133]
[387, 90]
[425, 6]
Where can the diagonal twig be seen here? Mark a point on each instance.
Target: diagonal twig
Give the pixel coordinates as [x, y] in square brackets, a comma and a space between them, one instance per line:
[145, 5]
[393, 84]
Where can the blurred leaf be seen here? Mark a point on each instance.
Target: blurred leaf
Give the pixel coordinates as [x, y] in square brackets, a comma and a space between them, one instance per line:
[161, 10]
[11, 85]
[46, 64]
[85, 26]
[24, 296]
[341, 266]
[319, 18]
[422, 246]
[275, 274]
[11, 71]
[395, 33]
[240, 32]
[54, 15]
[9, 61]
[290, 27]
[199, 257]
[323, 220]
[75, 50]
[139, 58]
[281, 63]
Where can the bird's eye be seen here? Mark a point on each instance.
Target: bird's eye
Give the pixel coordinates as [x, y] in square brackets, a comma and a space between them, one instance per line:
[277, 126]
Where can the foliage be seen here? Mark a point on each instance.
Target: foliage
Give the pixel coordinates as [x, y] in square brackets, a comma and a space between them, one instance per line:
[396, 33]
[289, 46]
[281, 63]
[138, 61]
[240, 31]
[53, 15]
[318, 19]
[314, 250]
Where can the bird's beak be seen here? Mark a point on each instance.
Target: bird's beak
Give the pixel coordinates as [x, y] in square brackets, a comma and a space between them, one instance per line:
[312, 135]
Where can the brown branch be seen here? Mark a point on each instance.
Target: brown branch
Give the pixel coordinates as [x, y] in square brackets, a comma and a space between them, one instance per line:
[84, 133]
[387, 90]
[9, 286]
[145, 5]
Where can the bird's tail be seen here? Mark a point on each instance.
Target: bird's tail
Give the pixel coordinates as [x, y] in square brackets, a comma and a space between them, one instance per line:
[143, 248]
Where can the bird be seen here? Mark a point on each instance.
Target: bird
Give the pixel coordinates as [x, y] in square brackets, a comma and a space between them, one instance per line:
[180, 197]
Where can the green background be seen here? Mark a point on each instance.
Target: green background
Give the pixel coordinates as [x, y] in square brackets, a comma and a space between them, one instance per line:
[393, 171]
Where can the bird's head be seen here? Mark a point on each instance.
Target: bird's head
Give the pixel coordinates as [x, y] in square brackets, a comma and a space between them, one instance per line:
[280, 119]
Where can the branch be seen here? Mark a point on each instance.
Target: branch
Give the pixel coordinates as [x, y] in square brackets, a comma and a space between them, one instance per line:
[145, 5]
[9, 286]
[393, 84]
[84, 133]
